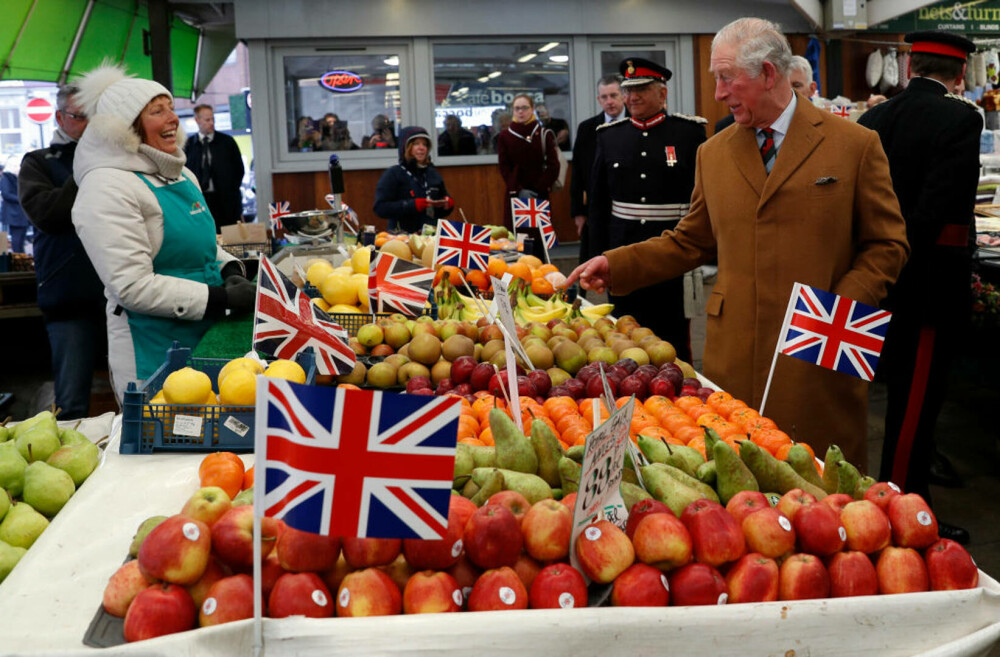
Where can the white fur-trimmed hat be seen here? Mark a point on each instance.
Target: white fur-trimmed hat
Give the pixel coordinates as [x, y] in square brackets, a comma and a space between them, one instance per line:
[113, 100]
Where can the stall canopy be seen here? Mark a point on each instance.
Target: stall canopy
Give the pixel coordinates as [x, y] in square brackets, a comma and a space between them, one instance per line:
[55, 40]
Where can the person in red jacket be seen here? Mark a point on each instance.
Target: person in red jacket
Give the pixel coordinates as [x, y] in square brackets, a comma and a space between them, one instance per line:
[527, 154]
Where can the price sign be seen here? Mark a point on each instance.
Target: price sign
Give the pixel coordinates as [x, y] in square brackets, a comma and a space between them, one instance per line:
[505, 315]
[505, 319]
[598, 495]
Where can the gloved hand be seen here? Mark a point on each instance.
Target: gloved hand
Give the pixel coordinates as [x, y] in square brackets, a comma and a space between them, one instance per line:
[526, 194]
[449, 202]
[421, 204]
[241, 294]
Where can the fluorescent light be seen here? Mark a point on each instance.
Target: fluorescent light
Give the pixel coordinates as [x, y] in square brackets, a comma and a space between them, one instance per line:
[462, 90]
[526, 58]
[483, 79]
[391, 61]
[548, 46]
[494, 74]
[559, 58]
[392, 76]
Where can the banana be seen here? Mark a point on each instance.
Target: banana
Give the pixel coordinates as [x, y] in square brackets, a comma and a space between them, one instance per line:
[545, 315]
[536, 301]
[596, 312]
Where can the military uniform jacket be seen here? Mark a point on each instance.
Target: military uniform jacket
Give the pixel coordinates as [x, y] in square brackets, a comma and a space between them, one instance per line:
[641, 166]
[932, 141]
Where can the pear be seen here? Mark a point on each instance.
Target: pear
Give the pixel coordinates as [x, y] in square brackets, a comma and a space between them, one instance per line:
[45, 418]
[78, 460]
[847, 478]
[708, 473]
[548, 450]
[632, 494]
[514, 450]
[47, 488]
[463, 465]
[864, 484]
[831, 474]
[576, 453]
[732, 474]
[12, 466]
[668, 490]
[774, 475]
[483, 456]
[531, 486]
[71, 437]
[22, 525]
[9, 556]
[244, 497]
[569, 472]
[4, 434]
[39, 443]
[145, 527]
[802, 462]
[492, 483]
[4, 503]
[689, 481]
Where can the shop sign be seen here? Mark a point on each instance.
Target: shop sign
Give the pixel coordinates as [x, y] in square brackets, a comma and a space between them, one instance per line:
[341, 81]
[972, 17]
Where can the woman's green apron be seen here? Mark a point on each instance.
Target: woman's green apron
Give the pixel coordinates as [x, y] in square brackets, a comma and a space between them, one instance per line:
[188, 251]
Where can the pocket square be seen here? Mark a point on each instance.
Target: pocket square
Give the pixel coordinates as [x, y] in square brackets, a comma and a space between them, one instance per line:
[826, 180]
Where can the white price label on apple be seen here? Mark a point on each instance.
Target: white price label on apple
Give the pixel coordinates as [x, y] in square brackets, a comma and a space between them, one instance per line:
[188, 425]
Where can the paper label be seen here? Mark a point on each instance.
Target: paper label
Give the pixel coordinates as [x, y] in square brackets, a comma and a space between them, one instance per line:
[191, 531]
[456, 548]
[666, 584]
[507, 595]
[320, 598]
[842, 533]
[786, 524]
[566, 600]
[924, 518]
[208, 608]
[344, 598]
[188, 425]
[456, 596]
[236, 426]
[505, 314]
[723, 598]
[895, 487]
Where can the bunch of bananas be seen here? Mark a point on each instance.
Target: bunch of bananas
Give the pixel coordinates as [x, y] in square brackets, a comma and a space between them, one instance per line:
[528, 307]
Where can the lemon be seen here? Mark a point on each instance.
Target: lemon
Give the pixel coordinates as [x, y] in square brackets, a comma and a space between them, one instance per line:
[344, 270]
[321, 304]
[286, 369]
[361, 260]
[317, 271]
[239, 388]
[343, 308]
[338, 289]
[239, 363]
[186, 386]
[158, 398]
[211, 400]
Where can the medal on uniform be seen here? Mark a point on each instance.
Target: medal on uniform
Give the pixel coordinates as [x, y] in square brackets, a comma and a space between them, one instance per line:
[671, 156]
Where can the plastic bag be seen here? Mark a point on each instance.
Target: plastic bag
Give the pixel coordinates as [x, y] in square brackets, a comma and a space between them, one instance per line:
[873, 72]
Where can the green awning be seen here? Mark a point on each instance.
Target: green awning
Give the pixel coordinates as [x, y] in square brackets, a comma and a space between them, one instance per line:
[55, 40]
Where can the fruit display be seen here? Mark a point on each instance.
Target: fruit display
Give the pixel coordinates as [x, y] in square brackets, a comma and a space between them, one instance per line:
[41, 466]
[236, 382]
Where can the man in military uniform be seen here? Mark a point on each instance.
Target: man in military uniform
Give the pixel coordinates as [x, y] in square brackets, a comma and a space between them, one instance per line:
[931, 138]
[641, 185]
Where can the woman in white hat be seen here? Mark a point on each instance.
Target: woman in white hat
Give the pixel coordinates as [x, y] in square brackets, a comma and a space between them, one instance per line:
[145, 225]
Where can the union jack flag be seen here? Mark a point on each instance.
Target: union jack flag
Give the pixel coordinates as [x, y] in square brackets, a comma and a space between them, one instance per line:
[529, 213]
[277, 210]
[398, 285]
[834, 332]
[359, 463]
[548, 233]
[287, 322]
[841, 110]
[350, 218]
[462, 245]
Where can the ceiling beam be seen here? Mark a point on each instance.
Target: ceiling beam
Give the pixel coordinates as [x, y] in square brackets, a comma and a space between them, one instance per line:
[880, 11]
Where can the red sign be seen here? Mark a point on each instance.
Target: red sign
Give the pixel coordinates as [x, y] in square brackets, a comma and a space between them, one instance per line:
[39, 110]
[342, 81]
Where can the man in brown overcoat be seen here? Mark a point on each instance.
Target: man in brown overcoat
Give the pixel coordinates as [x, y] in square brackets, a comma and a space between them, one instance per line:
[794, 194]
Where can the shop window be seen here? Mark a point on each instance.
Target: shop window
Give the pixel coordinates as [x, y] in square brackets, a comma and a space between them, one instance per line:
[476, 83]
[341, 102]
[10, 118]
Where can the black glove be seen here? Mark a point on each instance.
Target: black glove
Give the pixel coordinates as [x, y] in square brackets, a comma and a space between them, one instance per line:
[241, 294]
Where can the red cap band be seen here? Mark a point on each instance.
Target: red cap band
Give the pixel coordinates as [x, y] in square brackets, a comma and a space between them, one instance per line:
[936, 48]
[645, 73]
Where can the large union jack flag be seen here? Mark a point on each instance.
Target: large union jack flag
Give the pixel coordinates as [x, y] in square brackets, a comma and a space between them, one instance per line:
[395, 285]
[287, 322]
[462, 245]
[529, 213]
[833, 331]
[277, 210]
[360, 463]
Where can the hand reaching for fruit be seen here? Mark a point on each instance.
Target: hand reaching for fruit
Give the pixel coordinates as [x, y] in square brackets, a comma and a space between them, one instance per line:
[594, 275]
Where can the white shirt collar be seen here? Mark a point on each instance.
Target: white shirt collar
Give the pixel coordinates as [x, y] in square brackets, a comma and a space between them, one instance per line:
[202, 136]
[780, 125]
[608, 118]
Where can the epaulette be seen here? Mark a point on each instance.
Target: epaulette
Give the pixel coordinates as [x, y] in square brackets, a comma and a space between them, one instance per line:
[964, 100]
[611, 123]
[691, 117]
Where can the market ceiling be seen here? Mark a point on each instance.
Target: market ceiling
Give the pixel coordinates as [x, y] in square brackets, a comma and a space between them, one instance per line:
[55, 40]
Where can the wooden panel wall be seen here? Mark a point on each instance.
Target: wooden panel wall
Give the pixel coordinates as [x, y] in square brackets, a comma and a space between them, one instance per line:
[477, 189]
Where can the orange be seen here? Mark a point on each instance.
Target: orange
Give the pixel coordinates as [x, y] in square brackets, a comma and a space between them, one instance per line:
[696, 411]
[716, 397]
[729, 429]
[689, 434]
[685, 403]
[486, 436]
[586, 408]
[222, 469]
[520, 270]
[544, 270]
[569, 421]
[453, 273]
[657, 402]
[641, 421]
[542, 286]
[621, 401]
[478, 278]
[471, 441]
[575, 436]
[698, 444]
[709, 419]
[657, 433]
[496, 267]
[482, 406]
[726, 408]
[248, 478]
[347, 386]
[467, 423]
[770, 439]
[674, 422]
[553, 402]
[759, 422]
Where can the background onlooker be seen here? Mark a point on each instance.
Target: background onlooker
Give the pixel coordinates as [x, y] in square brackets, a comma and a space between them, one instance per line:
[11, 215]
[412, 193]
[559, 127]
[382, 135]
[456, 140]
[214, 158]
[528, 159]
[335, 135]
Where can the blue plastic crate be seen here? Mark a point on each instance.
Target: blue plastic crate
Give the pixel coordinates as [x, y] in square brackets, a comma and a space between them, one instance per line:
[148, 428]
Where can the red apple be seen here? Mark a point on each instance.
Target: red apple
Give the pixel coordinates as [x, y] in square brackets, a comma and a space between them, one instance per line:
[461, 368]
[661, 385]
[441, 554]
[398, 571]
[818, 530]
[213, 573]
[768, 532]
[368, 592]
[159, 610]
[867, 526]
[416, 383]
[300, 594]
[641, 585]
[465, 573]
[515, 502]
[662, 541]
[793, 500]
[122, 588]
[558, 586]
[803, 577]
[207, 504]
[837, 501]
[527, 569]
[640, 510]
[569, 501]
[232, 537]
[603, 551]
[176, 551]
[746, 502]
[697, 584]
[430, 592]
[541, 380]
[901, 570]
[547, 527]
[492, 537]
[368, 552]
[851, 573]
[481, 375]
[229, 599]
[754, 578]
[270, 571]
[333, 577]
[498, 589]
[950, 566]
[716, 537]
[300, 551]
[913, 522]
[881, 493]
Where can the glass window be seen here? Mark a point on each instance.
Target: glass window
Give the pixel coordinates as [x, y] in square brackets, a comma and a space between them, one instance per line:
[10, 118]
[475, 83]
[342, 102]
[10, 142]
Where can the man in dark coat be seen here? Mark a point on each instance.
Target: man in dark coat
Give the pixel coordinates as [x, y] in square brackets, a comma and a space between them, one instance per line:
[640, 186]
[931, 138]
[609, 95]
[456, 140]
[215, 159]
[70, 295]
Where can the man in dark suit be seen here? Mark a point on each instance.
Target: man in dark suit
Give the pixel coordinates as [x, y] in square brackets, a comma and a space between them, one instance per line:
[609, 95]
[931, 138]
[215, 159]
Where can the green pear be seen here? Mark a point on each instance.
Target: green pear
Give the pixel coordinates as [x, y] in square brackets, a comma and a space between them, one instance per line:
[4, 503]
[12, 466]
[145, 527]
[483, 456]
[244, 497]
[37, 444]
[667, 489]
[847, 478]
[514, 450]
[654, 449]
[731, 474]
[576, 453]
[78, 460]
[47, 488]
[864, 484]
[548, 450]
[22, 525]
[464, 464]
[569, 473]
[4, 434]
[492, 484]
[45, 418]
[533, 487]
[72, 437]
[772, 474]
[688, 480]
[708, 472]
[802, 462]
[632, 494]
[831, 474]
[9, 556]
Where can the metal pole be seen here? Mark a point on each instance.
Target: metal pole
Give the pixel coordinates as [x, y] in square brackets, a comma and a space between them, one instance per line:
[159, 37]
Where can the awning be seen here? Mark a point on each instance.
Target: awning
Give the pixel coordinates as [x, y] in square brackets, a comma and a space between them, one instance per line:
[55, 40]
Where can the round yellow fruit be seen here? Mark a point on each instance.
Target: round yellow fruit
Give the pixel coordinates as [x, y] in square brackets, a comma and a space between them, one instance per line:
[186, 386]
[239, 388]
[211, 400]
[344, 308]
[321, 304]
[239, 363]
[286, 369]
[398, 249]
[361, 260]
[338, 289]
[317, 271]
